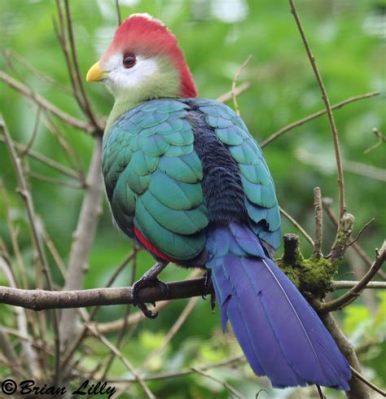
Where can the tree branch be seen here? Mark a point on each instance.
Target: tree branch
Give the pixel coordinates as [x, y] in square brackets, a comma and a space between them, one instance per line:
[357, 388]
[83, 237]
[334, 130]
[234, 92]
[43, 299]
[318, 222]
[315, 115]
[45, 104]
[351, 295]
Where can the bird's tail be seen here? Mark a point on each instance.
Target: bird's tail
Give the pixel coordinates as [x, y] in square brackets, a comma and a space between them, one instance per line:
[281, 335]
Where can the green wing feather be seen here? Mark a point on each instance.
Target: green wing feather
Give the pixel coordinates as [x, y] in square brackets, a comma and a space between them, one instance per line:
[153, 178]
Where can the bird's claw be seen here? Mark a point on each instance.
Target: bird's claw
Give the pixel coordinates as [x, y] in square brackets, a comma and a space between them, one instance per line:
[144, 283]
[208, 288]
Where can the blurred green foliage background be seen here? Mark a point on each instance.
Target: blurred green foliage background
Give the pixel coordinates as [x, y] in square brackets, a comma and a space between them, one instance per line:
[349, 42]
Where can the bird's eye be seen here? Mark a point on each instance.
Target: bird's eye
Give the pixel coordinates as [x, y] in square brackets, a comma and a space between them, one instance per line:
[129, 60]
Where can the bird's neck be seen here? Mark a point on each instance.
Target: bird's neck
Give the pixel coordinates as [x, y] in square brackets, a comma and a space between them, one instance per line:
[168, 82]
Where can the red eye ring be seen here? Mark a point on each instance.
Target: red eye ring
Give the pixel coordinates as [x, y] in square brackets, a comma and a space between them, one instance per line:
[129, 60]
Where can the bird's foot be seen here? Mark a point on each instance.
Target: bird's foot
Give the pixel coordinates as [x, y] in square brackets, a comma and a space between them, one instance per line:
[146, 283]
[208, 287]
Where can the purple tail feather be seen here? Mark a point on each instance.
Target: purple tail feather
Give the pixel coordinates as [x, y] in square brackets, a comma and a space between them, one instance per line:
[281, 335]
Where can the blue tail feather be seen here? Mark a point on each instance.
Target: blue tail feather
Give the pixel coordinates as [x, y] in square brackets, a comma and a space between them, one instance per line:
[279, 332]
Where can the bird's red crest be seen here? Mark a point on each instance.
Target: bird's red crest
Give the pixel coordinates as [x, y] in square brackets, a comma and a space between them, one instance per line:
[148, 36]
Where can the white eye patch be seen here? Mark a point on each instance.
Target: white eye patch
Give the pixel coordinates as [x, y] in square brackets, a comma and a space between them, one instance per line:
[119, 77]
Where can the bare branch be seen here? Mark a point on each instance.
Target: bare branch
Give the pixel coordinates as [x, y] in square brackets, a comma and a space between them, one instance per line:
[351, 295]
[43, 159]
[36, 236]
[334, 130]
[318, 222]
[119, 18]
[234, 83]
[125, 361]
[375, 285]
[83, 237]
[368, 383]
[313, 116]
[182, 373]
[43, 299]
[133, 319]
[356, 168]
[235, 393]
[173, 330]
[343, 234]
[26, 196]
[357, 388]
[381, 139]
[237, 91]
[67, 42]
[33, 135]
[298, 226]
[32, 363]
[45, 104]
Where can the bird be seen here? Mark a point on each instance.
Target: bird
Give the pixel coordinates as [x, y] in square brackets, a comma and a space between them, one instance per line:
[186, 181]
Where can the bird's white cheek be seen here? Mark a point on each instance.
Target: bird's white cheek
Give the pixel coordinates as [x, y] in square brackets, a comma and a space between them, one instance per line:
[121, 78]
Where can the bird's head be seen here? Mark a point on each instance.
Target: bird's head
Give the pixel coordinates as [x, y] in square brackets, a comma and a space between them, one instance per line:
[143, 62]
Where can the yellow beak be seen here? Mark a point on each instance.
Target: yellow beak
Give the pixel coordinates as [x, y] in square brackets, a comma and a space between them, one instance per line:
[95, 73]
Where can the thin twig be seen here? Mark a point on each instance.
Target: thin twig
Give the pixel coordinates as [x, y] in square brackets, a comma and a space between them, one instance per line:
[58, 182]
[67, 43]
[36, 236]
[43, 159]
[236, 92]
[118, 344]
[26, 196]
[227, 386]
[14, 59]
[133, 319]
[13, 232]
[173, 330]
[32, 363]
[45, 104]
[355, 246]
[184, 372]
[234, 83]
[83, 238]
[352, 294]
[356, 168]
[381, 139]
[298, 226]
[375, 285]
[125, 361]
[313, 116]
[334, 130]
[320, 392]
[118, 10]
[365, 226]
[69, 150]
[83, 333]
[368, 383]
[318, 223]
[33, 135]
